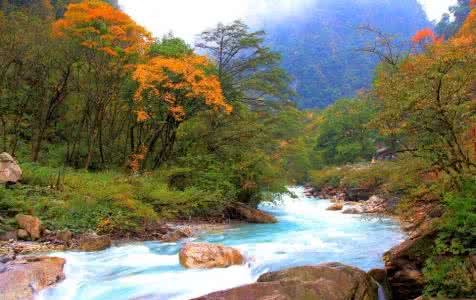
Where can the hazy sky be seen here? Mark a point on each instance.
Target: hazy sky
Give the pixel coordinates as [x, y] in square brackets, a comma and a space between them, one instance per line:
[435, 8]
[186, 18]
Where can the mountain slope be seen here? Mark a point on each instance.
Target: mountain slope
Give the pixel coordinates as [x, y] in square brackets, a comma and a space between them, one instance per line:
[320, 49]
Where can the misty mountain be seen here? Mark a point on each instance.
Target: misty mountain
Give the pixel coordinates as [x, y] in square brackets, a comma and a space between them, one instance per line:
[320, 48]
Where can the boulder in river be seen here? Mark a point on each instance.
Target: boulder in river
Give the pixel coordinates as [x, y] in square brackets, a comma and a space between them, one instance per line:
[332, 281]
[354, 210]
[207, 256]
[240, 211]
[23, 278]
[10, 171]
[93, 242]
[31, 224]
[337, 206]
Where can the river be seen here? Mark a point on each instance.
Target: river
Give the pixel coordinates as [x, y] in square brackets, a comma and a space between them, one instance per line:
[306, 234]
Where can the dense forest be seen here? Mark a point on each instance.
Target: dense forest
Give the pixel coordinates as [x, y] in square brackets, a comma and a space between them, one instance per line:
[320, 49]
[115, 128]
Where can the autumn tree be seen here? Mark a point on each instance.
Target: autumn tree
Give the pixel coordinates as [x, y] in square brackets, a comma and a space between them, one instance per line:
[109, 40]
[170, 91]
[430, 99]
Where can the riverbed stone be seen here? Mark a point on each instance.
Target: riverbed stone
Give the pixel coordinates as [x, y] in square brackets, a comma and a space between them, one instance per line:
[354, 210]
[208, 256]
[176, 235]
[94, 242]
[22, 234]
[335, 207]
[240, 211]
[31, 224]
[9, 235]
[64, 236]
[332, 281]
[25, 277]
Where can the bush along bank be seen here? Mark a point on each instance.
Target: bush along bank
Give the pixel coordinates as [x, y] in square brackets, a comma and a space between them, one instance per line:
[57, 207]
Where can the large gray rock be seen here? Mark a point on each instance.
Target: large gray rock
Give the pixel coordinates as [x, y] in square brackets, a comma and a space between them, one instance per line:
[333, 281]
[10, 171]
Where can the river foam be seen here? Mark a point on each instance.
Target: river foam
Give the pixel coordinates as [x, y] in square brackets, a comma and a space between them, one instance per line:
[306, 234]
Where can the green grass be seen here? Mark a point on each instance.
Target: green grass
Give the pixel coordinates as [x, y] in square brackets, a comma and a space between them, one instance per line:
[106, 202]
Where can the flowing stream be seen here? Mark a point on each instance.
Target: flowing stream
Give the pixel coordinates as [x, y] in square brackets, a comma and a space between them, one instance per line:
[306, 234]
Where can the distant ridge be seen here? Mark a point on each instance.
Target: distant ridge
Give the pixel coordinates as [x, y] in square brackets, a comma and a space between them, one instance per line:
[319, 48]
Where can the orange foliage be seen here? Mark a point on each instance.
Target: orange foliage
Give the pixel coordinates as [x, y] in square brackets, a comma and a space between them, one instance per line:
[425, 35]
[100, 26]
[466, 36]
[135, 160]
[472, 4]
[175, 80]
[142, 116]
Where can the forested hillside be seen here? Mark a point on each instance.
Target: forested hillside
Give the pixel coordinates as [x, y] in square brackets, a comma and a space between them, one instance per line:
[451, 22]
[87, 88]
[320, 48]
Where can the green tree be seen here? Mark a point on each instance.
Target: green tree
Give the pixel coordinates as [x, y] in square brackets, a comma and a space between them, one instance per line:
[342, 133]
[248, 71]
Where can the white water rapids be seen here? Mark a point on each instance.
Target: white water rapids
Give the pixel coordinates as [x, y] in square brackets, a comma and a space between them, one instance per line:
[306, 234]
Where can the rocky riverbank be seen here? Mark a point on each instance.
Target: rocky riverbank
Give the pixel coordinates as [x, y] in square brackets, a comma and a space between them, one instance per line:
[403, 263]
[401, 278]
[31, 237]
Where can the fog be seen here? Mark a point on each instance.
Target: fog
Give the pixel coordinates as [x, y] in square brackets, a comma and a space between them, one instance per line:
[186, 18]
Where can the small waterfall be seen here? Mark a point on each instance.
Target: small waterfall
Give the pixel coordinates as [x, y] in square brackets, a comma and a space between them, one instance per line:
[381, 292]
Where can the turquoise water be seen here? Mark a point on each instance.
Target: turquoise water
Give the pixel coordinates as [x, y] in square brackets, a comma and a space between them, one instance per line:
[306, 234]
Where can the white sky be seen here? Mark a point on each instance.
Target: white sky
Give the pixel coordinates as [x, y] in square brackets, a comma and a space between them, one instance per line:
[186, 18]
[435, 8]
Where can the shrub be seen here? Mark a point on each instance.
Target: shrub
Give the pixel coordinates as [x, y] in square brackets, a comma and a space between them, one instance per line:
[329, 177]
[448, 271]
[188, 203]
